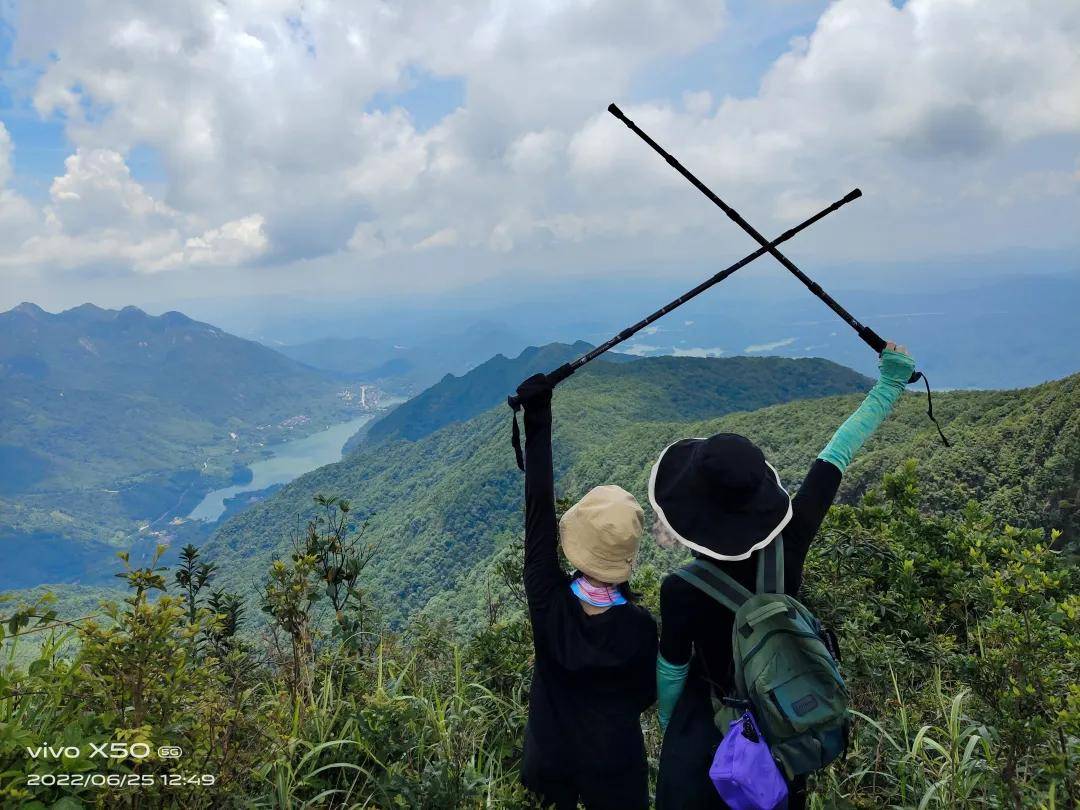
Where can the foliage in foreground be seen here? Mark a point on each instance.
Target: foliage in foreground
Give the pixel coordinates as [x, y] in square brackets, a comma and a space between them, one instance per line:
[961, 641]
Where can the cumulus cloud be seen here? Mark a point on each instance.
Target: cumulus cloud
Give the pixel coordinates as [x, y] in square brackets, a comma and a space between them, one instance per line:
[98, 215]
[283, 140]
[96, 192]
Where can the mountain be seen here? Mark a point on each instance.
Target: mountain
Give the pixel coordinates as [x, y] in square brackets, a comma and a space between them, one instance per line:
[455, 399]
[114, 418]
[443, 503]
[408, 366]
[169, 357]
[441, 506]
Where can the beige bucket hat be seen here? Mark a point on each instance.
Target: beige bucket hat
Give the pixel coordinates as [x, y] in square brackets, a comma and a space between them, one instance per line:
[601, 532]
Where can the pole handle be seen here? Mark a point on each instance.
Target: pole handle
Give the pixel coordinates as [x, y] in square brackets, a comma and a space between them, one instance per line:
[555, 377]
[872, 339]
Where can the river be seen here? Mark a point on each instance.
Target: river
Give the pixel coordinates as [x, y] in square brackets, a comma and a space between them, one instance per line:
[291, 459]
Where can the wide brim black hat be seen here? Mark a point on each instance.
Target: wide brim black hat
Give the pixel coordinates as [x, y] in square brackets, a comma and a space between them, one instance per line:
[719, 496]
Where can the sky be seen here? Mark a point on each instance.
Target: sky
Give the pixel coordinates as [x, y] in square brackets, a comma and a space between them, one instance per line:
[179, 149]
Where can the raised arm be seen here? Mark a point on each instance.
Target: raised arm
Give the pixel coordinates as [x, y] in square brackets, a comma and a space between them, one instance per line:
[895, 368]
[819, 487]
[542, 571]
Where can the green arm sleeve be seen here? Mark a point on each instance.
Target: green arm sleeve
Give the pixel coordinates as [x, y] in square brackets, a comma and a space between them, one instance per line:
[670, 679]
[896, 368]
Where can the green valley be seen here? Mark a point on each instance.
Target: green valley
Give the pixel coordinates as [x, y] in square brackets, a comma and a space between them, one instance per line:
[115, 421]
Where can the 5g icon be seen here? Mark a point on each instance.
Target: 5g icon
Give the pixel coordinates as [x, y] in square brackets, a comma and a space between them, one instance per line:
[170, 752]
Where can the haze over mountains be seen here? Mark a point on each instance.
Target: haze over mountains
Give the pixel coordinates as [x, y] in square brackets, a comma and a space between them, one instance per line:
[974, 327]
[411, 362]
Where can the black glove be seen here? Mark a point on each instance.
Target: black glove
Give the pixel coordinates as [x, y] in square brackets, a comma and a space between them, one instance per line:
[535, 391]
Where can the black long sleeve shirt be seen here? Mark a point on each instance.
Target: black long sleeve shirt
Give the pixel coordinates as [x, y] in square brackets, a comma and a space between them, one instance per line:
[594, 674]
[693, 622]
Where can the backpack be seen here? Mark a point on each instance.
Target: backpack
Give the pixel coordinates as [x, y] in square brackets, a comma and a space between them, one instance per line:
[786, 666]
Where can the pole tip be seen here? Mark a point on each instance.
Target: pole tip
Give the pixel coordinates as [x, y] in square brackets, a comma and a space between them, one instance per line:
[614, 110]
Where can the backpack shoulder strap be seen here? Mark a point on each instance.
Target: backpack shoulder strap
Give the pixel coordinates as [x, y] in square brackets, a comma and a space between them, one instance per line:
[709, 579]
[770, 567]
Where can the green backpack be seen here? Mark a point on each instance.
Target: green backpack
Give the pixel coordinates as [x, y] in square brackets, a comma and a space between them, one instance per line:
[786, 666]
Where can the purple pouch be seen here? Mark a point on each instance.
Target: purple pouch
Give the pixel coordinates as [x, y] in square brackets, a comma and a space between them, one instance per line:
[744, 772]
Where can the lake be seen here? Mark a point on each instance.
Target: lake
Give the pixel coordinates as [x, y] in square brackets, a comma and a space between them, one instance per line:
[291, 459]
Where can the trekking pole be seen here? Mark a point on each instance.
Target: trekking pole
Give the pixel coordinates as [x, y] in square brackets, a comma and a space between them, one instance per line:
[566, 369]
[868, 335]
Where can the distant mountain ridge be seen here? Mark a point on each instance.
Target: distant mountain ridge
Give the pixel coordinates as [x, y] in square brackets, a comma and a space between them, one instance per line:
[169, 356]
[455, 399]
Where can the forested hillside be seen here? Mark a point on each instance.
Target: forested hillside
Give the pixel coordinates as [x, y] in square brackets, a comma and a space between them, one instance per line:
[440, 506]
[455, 399]
[111, 418]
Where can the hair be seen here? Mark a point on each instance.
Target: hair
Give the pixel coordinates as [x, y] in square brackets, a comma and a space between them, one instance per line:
[663, 535]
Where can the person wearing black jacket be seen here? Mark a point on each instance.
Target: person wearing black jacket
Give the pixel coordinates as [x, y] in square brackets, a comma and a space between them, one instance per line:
[723, 501]
[595, 651]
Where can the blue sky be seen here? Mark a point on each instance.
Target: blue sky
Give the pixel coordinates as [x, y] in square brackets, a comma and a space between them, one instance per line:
[155, 150]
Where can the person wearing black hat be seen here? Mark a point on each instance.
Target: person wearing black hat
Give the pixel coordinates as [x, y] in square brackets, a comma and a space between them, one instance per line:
[720, 498]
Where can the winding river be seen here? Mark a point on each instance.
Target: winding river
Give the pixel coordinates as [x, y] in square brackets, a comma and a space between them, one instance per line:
[291, 459]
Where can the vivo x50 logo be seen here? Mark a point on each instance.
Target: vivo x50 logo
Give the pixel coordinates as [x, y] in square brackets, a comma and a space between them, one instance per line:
[108, 750]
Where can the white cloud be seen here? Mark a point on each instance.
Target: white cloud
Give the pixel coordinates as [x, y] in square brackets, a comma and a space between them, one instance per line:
[97, 193]
[5, 155]
[446, 237]
[263, 115]
[234, 243]
[768, 347]
[699, 351]
[98, 215]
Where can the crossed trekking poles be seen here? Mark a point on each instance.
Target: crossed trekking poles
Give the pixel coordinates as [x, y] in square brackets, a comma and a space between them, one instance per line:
[868, 335]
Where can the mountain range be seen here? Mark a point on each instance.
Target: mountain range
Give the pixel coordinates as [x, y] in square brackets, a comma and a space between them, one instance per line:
[442, 504]
[455, 399]
[441, 507]
[114, 419]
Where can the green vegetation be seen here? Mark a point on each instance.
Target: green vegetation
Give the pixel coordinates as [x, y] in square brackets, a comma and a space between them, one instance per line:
[442, 505]
[961, 640]
[115, 419]
[371, 648]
